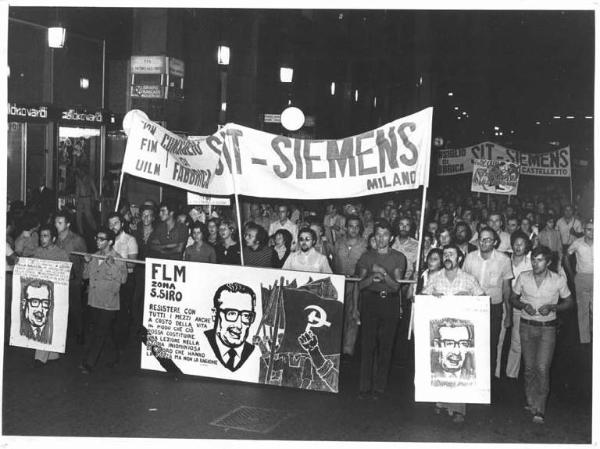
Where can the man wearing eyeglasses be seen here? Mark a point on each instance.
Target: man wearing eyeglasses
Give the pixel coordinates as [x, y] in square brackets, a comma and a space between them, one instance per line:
[233, 314]
[106, 276]
[452, 340]
[37, 305]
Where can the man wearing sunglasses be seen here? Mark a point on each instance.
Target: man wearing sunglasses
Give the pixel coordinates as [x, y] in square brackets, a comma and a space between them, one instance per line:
[36, 311]
[233, 314]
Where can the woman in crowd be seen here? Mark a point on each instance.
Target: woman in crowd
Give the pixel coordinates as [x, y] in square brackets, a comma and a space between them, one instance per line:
[212, 226]
[228, 250]
[434, 264]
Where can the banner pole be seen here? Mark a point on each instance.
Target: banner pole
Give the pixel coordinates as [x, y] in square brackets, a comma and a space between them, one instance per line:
[571, 187]
[419, 258]
[237, 198]
[119, 192]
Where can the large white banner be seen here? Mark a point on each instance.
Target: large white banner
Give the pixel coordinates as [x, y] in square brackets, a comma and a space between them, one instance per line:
[156, 154]
[248, 324]
[40, 304]
[498, 177]
[452, 349]
[460, 160]
[395, 156]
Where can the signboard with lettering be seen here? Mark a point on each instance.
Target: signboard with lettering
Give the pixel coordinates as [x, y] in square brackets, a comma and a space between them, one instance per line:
[460, 160]
[22, 112]
[146, 65]
[74, 115]
[257, 325]
[147, 91]
[176, 67]
[498, 177]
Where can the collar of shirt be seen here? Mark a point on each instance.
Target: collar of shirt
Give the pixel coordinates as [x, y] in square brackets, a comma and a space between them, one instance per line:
[224, 349]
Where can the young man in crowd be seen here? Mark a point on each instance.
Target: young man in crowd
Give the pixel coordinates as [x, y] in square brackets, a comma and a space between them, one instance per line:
[169, 237]
[48, 251]
[462, 238]
[106, 276]
[200, 250]
[348, 250]
[569, 227]
[70, 241]
[583, 248]
[381, 272]
[307, 258]
[284, 222]
[536, 293]
[126, 245]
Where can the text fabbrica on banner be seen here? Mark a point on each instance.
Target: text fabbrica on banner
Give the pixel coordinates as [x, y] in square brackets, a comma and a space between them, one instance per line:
[458, 161]
[498, 177]
[452, 349]
[40, 304]
[156, 154]
[249, 324]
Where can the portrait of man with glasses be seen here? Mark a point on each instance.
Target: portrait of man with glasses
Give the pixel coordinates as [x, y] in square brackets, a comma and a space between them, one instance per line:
[37, 305]
[452, 356]
[233, 314]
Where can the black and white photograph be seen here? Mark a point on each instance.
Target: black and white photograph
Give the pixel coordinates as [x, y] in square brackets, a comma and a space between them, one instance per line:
[297, 222]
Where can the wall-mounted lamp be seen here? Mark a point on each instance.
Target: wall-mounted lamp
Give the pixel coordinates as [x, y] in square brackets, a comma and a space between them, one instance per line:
[223, 55]
[56, 37]
[286, 74]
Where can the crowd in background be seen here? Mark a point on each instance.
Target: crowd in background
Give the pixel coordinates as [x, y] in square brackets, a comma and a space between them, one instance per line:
[374, 241]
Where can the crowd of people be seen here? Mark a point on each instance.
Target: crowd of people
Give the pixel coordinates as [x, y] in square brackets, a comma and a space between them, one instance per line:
[532, 255]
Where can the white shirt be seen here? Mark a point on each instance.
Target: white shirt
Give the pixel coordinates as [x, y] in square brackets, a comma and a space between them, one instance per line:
[224, 350]
[126, 245]
[584, 254]
[312, 260]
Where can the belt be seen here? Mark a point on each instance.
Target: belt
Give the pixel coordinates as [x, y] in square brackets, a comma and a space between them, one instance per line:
[540, 323]
[383, 294]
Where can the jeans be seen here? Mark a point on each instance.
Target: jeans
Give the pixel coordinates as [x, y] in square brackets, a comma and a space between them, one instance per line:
[584, 289]
[537, 347]
[379, 318]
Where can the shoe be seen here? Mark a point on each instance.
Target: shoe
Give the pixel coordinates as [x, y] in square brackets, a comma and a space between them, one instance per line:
[538, 418]
[377, 395]
[529, 409]
[458, 418]
[85, 368]
[38, 363]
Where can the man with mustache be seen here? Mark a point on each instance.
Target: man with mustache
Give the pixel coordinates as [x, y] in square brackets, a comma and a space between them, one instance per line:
[233, 314]
[452, 280]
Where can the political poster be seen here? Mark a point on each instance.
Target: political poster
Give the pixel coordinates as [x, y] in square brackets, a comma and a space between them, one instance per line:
[498, 177]
[40, 304]
[156, 154]
[452, 349]
[457, 161]
[248, 324]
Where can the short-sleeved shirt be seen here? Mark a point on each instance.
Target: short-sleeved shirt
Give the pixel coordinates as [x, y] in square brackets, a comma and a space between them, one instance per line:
[551, 239]
[490, 273]
[548, 292]
[179, 234]
[346, 255]
[229, 255]
[390, 261]
[564, 228]
[126, 245]
[51, 252]
[584, 254]
[409, 248]
[464, 283]
[206, 253]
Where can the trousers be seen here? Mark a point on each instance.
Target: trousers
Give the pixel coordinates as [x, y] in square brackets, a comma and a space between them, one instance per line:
[537, 347]
[584, 291]
[103, 336]
[350, 322]
[379, 318]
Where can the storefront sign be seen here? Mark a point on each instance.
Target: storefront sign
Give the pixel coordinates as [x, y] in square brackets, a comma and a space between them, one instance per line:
[193, 199]
[272, 118]
[148, 65]
[72, 115]
[176, 67]
[147, 91]
[20, 111]
[460, 160]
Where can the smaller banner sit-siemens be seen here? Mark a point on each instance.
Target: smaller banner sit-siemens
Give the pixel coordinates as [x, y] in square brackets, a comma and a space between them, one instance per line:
[457, 161]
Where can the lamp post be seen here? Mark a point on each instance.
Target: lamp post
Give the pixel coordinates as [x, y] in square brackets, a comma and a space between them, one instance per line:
[223, 56]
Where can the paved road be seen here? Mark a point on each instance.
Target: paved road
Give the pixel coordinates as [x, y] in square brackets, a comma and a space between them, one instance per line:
[127, 402]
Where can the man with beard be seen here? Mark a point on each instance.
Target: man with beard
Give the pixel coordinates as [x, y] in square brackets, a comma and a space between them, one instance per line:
[408, 246]
[462, 238]
[452, 280]
[307, 258]
[233, 314]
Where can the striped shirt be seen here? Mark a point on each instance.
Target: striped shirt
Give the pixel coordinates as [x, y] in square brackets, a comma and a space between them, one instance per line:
[262, 257]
